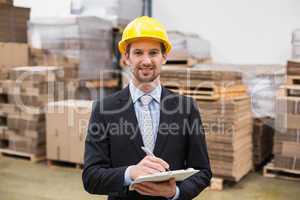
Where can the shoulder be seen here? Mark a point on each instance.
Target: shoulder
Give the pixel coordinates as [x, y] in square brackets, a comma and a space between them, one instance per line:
[110, 101]
[174, 100]
[175, 96]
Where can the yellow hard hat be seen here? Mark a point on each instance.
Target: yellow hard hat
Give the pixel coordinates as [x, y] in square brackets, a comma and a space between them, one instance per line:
[144, 27]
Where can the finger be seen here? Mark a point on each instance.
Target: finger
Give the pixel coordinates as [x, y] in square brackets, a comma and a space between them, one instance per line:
[154, 165]
[143, 192]
[172, 181]
[154, 186]
[146, 190]
[149, 185]
[149, 170]
[159, 161]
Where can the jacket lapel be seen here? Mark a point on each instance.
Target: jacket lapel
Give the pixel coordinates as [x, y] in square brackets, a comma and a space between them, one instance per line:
[167, 103]
[128, 114]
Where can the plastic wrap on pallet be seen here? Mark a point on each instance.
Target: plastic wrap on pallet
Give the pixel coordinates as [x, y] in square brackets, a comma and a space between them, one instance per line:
[87, 39]
[117, 11]
[296, 44]
[262, 81]
[188, 45]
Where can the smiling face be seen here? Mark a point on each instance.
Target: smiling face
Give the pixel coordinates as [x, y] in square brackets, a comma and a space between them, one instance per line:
[145, 58]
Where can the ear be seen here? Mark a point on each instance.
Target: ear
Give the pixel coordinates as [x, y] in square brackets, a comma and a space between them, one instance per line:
[126, 58]
[165, 57]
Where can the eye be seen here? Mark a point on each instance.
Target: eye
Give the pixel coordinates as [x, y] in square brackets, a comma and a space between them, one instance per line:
[153, 53]
[138, 53]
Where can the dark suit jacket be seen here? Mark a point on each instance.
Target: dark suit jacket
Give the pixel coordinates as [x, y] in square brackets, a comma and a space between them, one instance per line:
[114, 142]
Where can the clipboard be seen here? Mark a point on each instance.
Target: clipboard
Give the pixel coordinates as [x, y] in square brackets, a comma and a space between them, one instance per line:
[179, 175]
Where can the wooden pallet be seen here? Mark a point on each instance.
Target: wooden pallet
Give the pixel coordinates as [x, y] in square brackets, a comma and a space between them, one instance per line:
[289, 91]
[216, 184]
[59, 163]
[185, 62]
[12, 153]
[219, 183]
[209, 92]
[293, 80]
[271, 171]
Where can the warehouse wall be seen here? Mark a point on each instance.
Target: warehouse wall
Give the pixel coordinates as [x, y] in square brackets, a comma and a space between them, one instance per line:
[240, 31]
[46, 8]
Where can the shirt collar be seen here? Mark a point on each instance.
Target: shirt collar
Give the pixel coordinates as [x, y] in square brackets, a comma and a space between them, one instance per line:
[136, 93]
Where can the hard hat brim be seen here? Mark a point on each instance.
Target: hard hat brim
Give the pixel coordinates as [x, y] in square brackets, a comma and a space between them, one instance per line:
[123, 44]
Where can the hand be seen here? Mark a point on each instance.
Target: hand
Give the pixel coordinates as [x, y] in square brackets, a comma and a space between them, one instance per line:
[148, 165]
[165, 189]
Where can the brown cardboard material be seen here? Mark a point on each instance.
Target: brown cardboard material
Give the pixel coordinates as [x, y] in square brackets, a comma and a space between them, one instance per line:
[57, 135]
[67, 123]
[287, 121]
[13, 23]
[291, 149]
[79, 130]
[6, 2]
[13, 54]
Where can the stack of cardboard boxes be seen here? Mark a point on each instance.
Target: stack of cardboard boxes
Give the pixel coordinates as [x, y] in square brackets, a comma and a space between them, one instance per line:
[65, 140]
[13, 26]
[13, 37]
[6, 2]
[188, 49]
[287, 136]
[263, 133]
[226, 115]
[42, 57]
[85, 39]
[3, 119]
[83, 46]
[228, 125]
[13, 53]
[28, 90]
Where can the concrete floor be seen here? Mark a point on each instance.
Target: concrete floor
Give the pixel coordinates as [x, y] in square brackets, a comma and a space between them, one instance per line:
[20, 180]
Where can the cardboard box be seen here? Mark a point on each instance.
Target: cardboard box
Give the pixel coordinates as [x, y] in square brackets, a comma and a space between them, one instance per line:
[6, 2]
[57, 133]
[67, 122]
[18, 142]
[290, 105]
[13, 23]
[293, 67]
[13, 54]
[287, 121]
[262, 136]
[79, 130]
[292, 163]
[3, 135]
[291, 149]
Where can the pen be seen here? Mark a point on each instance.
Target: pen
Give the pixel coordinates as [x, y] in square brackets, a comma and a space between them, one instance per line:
[149, 153]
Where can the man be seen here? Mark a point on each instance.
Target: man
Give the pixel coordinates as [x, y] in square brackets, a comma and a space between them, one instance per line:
[145, 114]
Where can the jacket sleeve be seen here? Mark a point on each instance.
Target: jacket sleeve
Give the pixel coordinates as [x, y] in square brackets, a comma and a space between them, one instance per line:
[197, 157]
[98, 176]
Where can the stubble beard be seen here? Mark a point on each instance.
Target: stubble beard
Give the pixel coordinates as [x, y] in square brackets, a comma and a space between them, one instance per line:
[146, 84]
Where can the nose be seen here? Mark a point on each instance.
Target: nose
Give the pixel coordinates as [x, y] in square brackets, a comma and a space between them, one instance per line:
[146, 60]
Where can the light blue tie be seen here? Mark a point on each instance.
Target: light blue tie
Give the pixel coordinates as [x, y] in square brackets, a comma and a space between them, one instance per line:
[147, 127]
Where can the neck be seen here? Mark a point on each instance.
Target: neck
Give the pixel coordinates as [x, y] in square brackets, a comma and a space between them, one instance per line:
[146, 87]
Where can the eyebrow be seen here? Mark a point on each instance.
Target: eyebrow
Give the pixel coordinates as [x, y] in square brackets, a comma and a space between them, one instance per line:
[149, 50]
[154, 50]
